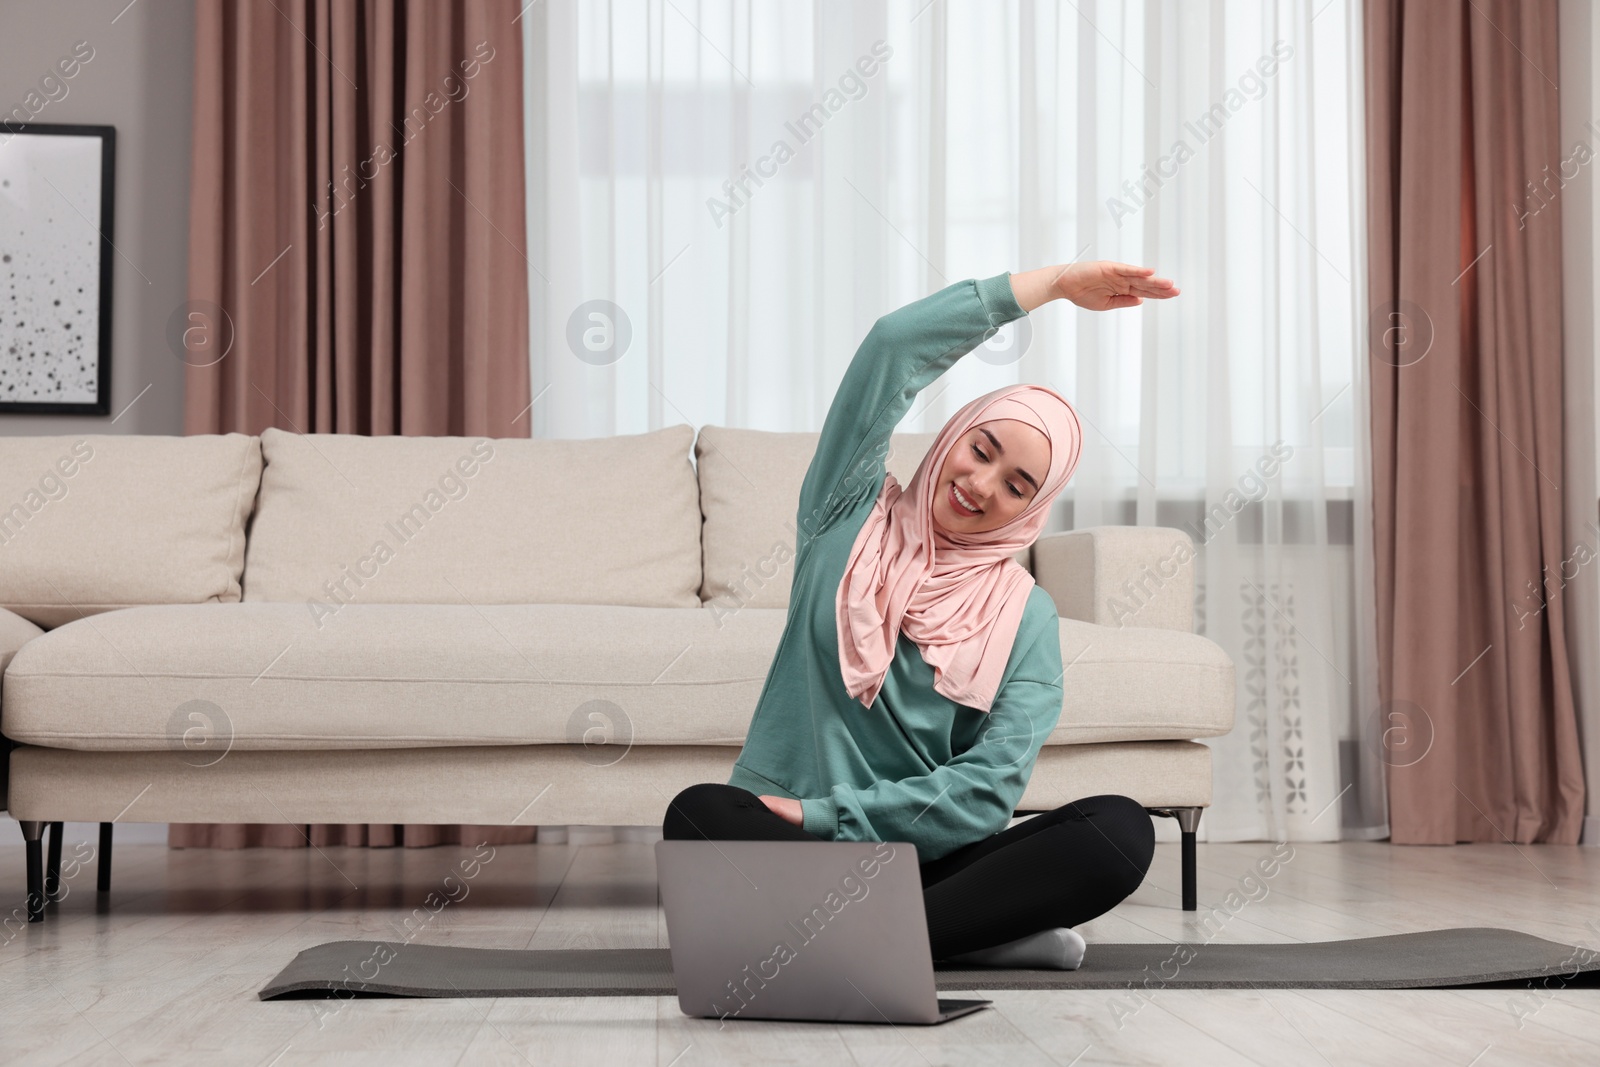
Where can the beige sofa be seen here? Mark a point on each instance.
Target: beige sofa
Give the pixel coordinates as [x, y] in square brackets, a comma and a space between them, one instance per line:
[346, 629]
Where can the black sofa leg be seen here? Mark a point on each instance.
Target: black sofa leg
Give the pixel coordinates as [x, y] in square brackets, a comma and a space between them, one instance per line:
[32, 830]
[104, 885]
[1188, 822]
[52, 864]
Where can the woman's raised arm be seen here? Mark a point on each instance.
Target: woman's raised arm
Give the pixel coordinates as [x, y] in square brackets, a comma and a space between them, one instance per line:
[903, 352]
[911, 346]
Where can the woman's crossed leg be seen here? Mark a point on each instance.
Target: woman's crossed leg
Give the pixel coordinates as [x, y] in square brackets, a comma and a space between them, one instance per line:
[1059, 868]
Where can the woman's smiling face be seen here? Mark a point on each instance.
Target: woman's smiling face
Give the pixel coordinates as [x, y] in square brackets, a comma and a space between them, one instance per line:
[997, 466]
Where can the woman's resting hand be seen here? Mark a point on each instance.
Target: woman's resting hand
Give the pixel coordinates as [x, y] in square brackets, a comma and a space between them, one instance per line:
[788, 809]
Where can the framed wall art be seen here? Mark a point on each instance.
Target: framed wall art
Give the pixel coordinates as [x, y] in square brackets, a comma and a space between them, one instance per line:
[56, 186]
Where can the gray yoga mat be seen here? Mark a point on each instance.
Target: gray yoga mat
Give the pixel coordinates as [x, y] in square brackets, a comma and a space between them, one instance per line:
[1430, 960]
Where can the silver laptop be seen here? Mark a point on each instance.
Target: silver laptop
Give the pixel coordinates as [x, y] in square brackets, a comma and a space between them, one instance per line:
[828, 931]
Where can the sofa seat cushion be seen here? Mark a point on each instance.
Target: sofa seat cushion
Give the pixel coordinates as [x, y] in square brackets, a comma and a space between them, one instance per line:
[347, 518]
[97, 522]
[201, 680]
[265, 676]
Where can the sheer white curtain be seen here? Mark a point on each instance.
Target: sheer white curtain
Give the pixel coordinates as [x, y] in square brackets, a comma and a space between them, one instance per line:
[723, 197]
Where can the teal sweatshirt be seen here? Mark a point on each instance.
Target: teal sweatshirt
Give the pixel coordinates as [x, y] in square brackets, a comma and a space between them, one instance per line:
[916, 766]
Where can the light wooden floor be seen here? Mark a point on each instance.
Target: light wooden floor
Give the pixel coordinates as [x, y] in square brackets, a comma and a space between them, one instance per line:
[169, 973]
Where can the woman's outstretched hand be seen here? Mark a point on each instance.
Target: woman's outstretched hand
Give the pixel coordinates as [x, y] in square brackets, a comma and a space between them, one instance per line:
[788, 810]
[1098, 285]
[1101, 285]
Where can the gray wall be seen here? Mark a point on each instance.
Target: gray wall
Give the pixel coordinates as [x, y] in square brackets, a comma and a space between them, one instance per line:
[139, 80]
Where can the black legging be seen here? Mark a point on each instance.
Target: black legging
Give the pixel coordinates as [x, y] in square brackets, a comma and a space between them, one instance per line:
[1058, 868]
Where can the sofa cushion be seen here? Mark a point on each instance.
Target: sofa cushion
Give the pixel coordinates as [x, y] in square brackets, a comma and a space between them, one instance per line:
[750, 494]
[390, 675]
[348, 519]
[94, 522]
[210, 678]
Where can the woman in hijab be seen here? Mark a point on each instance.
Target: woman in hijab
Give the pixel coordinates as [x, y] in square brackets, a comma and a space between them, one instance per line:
[920, 667]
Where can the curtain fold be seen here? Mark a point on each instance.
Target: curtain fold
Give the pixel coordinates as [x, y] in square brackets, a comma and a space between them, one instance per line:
[356, 257]
[1465, 361]
[801, 169]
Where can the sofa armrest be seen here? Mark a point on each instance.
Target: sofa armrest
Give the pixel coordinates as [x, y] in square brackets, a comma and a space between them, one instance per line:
[1119, 575]
[15, 631]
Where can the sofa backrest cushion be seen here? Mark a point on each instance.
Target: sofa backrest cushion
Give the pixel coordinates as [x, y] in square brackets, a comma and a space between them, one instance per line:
[347, 518]
[749, 495]
[95, 522]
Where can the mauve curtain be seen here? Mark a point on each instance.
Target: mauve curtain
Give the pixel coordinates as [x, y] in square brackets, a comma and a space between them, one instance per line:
[1465, 268]
[355, 263]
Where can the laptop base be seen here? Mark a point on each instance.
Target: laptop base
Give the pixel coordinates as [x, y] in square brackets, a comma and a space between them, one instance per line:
[955, 1007]
[949, 1008]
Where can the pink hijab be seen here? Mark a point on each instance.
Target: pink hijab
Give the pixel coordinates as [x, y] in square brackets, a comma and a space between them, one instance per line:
[960, 597]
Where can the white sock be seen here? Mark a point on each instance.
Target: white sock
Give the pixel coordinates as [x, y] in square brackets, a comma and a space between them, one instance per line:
[1058, 949]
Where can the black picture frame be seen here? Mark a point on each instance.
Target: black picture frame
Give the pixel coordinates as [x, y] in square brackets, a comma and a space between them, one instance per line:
[9, 133]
